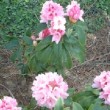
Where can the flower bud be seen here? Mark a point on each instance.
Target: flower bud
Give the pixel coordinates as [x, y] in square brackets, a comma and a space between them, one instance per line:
[34, 43]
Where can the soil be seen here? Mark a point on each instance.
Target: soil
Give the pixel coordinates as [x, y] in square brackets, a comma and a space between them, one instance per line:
[97, 60]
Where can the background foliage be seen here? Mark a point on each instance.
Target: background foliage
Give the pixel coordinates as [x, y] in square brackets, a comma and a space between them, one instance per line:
[20, 16]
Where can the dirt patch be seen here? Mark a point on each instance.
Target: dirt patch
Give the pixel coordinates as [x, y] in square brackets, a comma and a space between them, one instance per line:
[97, 60]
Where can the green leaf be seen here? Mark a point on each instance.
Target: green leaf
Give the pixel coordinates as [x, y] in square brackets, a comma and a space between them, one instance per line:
[28, 32]
[24, 108]
[28, 51]
[81, 25]
[41, 27]
[26, 0]
[33, 63]
[68, 101]
[32, 104]
[12, 44]
[57, 53]
[74, 47]
[71, 91]
[60, 71]
[80, 29]
[67, 60]
[17, 54]
[91, 107]
[96, 92]
[98, 106]
[59, 105]
[81, 36]
[51, 68]
[67, 108]
[27, 40]
[43, 44]
[80, 95]
[45, 55]
[70, 40]
[76, 106]
[87, 101]
[78, 53]
[24, 68]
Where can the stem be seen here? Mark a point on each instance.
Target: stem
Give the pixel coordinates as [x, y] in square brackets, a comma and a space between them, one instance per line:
[7, 90]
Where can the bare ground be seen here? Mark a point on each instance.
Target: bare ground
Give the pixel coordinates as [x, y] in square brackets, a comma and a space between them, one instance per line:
[97, 60]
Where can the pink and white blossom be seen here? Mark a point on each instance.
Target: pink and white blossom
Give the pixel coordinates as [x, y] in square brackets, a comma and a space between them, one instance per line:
[74, 12]
[57, 35]
[102, 82]
[57, 29]
[58, 23]
[105, 94]
[49, 10]
[47, 88]
[9, 103]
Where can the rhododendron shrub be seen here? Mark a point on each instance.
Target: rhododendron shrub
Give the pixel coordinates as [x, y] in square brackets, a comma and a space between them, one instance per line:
[59, 37]
[57, 40]
[9, 103]
[48, 88]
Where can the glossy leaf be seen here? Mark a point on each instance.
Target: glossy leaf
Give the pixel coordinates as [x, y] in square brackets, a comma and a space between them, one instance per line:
[71, 91]
[17, 55]
[57, 53]
[97, 106]
[12, 44]
[67, 60]
[59, 105]
[87, 101]
[78, 53]
[68, 101]
[27, 40]
[80, 29]
[41, 27]
[76, 106]
[45, 55]
[43, 44]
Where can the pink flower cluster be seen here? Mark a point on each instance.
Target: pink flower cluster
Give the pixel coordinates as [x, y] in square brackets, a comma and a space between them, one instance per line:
[9, 103]
[102, 82]
[51, 9]
[53, 14]
[47, 88]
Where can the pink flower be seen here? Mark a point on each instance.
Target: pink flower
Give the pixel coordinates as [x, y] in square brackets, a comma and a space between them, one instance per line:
[47, 88]
[43, 34]
[74, 12]
[57, 29]
[51, 9]
[57, 35]
[101, 81]
[58, 23]
[105, 94]
[9, 103]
